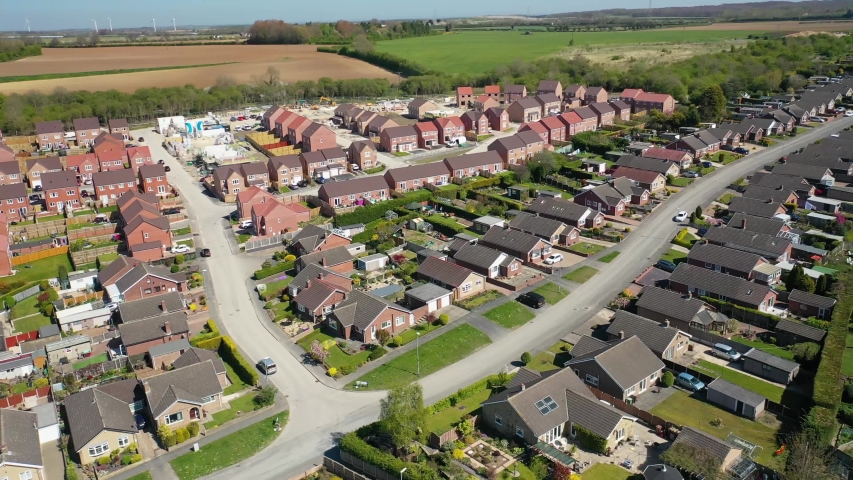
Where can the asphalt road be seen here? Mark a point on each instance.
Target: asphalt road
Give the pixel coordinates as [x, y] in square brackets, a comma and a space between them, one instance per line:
[319, 413]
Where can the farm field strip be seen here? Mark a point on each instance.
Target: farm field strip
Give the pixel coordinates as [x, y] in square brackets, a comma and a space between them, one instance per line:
[50, 76]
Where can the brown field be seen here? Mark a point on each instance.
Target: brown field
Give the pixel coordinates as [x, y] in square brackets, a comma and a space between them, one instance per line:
[653, 53]
[789, 26]
[295, 62]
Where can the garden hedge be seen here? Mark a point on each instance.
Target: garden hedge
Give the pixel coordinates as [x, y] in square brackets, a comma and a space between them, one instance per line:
[463, 393]
[212, 333]
[367, 214]
[447, 226]
[229, 353]
[355, 446]
[482, 183]
[277, 268]
[459, 212]
[772, 320]
[590, 441]
[680, 239]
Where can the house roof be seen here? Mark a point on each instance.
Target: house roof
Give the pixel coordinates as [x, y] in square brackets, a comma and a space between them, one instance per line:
[626, 186]
[150, 171]
[652, 97]
[104, 407]
[507, 143]
[315, 295]
[540, 226]
[333, 256]
[142, 151]
[9, 168]
[150, 307]
[46, 163]
[419, 102]
[560, 208]
[768, 194]
[77, 160]
[289, 161]
[661, 472]
[132, 195]
[725, 257]
[547, 98]
[766, 179]
[654, 335]
[359, 146]
[311, 271]
[131, 213]
[474, 160]
[693, 143]
[809, 172]
[112, 177]
[354, 186]
[801, 329]
[188, 384]
[602, 108]
[595, 90]
[747, 241]
[626, 361]
[114, 268]
[62, 179]
[193, 356]
[153, 328]
[707, 137]
[493, 89]
[552, 123]
[361, 309]
[772, 360]
[642, 176]
[139, 271]
[47, 331]
[169, 347]
[483, 257]
[527, 103]
[529, 137]
[570, 118]
[630, 92]
[427, 292]
[585, 113]
[733, 288]
[444, 271]
[536, 127]
[607, 194]
[423, 127]
[807, 298]
[766, 226]
[597, 417]
[510, 241]
[380, 121]
[90, 123]
[495, 112]
[515, 89]
[14, 190]
[619, 105]
[52, 126]
[333, 153]
[549, 85]
[465, 90]
[573, 88]
[401, 131]
[646, 163]
[752, 206]
[586, 345]
[704, 442]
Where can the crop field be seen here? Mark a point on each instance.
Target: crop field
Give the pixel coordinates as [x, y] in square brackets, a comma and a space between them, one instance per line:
[479, 51]
[788, 26]
[239, 62]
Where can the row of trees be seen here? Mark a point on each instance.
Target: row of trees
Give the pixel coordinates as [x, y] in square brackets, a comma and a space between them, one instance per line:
[16, 49]
[279, 32]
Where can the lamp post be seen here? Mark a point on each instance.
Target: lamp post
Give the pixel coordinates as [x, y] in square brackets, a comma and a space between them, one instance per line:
[418, 351]
[401, 472]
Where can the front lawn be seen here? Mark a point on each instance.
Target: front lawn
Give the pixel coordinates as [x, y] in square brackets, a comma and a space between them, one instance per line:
[471, 303]
[30, 324]
[543, 362]
[337, 357]
[552, 292]
[182, 231]
[90, 361]
[228, 450]
[411, 334]
[580, 275]
[244, 403]
[681, 182]
[674, 256]
[767, 347]
[41, 269]
[243, 237]
[447, 418]
[609, 257]
[727, 198]
[510, 315]
[142, 476]
[444, 350]
[682, 409]
[283, 190]
[588, 249]
[188, 243]
[607, 471]
[766, 389]
[237, 383]
[400, 154]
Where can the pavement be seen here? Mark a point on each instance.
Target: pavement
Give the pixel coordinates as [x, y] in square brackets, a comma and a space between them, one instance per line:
[320, 413]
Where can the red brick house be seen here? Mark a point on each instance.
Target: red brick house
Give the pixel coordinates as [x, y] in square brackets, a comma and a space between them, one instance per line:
[147, 238]
[313, 239]
[471, 164]
[427, 134]
[419, 107]
[475, 121]
[282, 122]
[573, 123]
[143, 281]
[703, 282]
[13, 205]
[50, 135]
[336, 162]
[112, 160]
[285, 170]
[10, 172]
[268, 118]
[550, 86]
[629, 94]
[511, 150]
[493, 91]
[360, 315]
[556, 129]
[86, 130]
[484, 102]
[621, 109]
[606, 114]
[84, 165]
[589, 120]
[594, 95]
[536, 127]
[139, 208]
[399, 139]
[449, 128]
[295, 129]
[111, 185]
[690, 144]
[805, 304]
[361, 123]
[604, 199]
[379, 123]
[414, 177]
[533, 143]
[549, 103]
[513, 93]
[139, 336]
[6, 153]
[61, 191]
[248, 198]
[317, 137]
[529, 248]
[682, 159]
[498, 118]
[661, 102]
[36, 168]
[573, 96]
[152, 179]
[271, 217]
[525, 110]
[318, 299]
[354, 192]
[464, 95]
[651, 181]
[139, 156]
[255, 173]
[363, 154]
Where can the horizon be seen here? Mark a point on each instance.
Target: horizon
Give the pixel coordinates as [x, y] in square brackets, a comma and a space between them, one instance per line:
[53, 15]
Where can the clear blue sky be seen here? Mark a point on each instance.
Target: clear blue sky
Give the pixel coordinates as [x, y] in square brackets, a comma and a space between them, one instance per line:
[64, 14]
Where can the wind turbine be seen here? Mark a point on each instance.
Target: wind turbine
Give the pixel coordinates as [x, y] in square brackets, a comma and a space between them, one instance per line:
[28, 25]
[174, 27]
[111, 23]
[96, 24]
[155, 24]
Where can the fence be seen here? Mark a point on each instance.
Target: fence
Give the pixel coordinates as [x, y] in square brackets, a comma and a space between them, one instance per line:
[710, 338]
[21, 337]
[78, 219]
[368, 469]
[436, 440]
[96, 369]
[29, 399]
[268, 242]
[105, 337]
[32, 257]
[89, 255]
[643, 415]
[342, 471]
[21, 296]
[37, 230]
[104, 230]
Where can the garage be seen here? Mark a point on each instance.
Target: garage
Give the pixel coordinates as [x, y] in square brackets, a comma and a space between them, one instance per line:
[735, 398]
[431, 295]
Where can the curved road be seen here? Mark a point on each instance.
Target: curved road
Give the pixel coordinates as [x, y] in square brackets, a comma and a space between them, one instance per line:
[319, 412]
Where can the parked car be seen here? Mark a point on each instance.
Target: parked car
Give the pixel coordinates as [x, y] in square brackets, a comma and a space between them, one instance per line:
[38, 188]
[848, 113]
[553, 258]
[741, 150]
[171, 211]
[689, 382]
[303, 183]
[246, 224]
[35, 198]
[180, 249]
[666, 265]
[140, 421]
[161, 162]
[84, 193]
[205, 252]
[681, 216]
[690, 174]
[728, 148]
[707, 164]
[140, 139]
[531, 299]
[320, 180]
[267, 366]
[293, 186]
[725, 352]
[233, 119]
[167, 168]
[817, 119]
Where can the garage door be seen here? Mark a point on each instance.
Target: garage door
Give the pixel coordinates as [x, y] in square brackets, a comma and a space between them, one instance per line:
[431, 306]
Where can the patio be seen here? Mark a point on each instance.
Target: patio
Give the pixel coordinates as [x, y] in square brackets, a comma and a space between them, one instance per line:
[643, 449]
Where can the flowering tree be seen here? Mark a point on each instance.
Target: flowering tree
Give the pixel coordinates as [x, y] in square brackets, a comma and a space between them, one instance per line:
[318, 353]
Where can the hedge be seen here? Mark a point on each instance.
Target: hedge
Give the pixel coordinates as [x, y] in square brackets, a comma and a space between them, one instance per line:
[463, 393]
[387, 61]
[367, 214]
[277, 268]
[590, 441]
[459, 212]
[447, 226]
[211, 344]
[213, 332]
[12, 293]
[509, 203]
[772, 320]
[482, 183]
[70, 472]
[355, 446]
[371, 171]
[680, 240]
[229, 353]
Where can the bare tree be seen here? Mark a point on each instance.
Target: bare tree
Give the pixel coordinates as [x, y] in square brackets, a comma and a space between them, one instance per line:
[810, 458]
[13, 109]
[225, 81]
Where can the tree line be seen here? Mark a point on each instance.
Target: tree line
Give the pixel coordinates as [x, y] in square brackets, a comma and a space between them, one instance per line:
[17, 49]
[264, 32]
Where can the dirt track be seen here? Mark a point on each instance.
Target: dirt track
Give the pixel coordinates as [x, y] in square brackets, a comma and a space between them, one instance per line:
[790, 26]
[295, 62]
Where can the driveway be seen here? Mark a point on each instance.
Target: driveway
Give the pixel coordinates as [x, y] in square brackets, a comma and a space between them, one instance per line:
[54, 464]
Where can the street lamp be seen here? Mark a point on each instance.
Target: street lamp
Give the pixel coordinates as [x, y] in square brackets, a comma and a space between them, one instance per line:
[418, 351]
[401, 472]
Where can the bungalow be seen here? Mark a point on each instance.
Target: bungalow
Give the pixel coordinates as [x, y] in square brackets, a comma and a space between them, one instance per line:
[605, 113]
[632, 192]
[594, 95]
[681, 311]
[50, 135]
[800, 113]
[604, 199]
[354, 192]
[485, 102]
[805, 304]
[419, 107]
[427, 134]
[318, 299]
[553, 231]
[512, 93]
[771, 195]
[362, 155]
[682, 159]
[110, 185]
[725, 260]
[39, 166]
[142, 281]
[835, 162]
[529, 248]
[183, 395]
[690, 144]
[651, 181]
[549, 104]
[566, 211]
[770, 367]
[621, 110]
[399, 139]
[725, 135]
[702, 282]
[760, 208]
[360, 315]
[498, 118]
[556, 129]
[85, 130]
[663, 167]
[550, 86]
[316, 239]
[464, 95]
[475, 121]
[709, 139]
[449, 129]
[748, 131]
[798, 185]
[813, 174]
[318, 137]
[772, 227]
[84, 165]
[471, 164]
[772, 248]
[488, 262]
[524, 110]
[101, 419]
[603, 365]
[137, 337]
[415, 177]
[663, 340]
[462, 281]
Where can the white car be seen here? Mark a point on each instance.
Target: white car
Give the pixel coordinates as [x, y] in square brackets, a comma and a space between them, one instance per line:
[682, 216]
[180, 249]
[246, 224]
[848, 113]
[553, 258]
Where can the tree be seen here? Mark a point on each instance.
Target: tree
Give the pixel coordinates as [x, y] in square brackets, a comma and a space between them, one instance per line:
[699, 214]
[526, 358]
[362, 44]
[522, 173]
[265, 397]
[383, 336]
[542, 164]
[95, 39]
[805, 352]
[820, 287]
[798, 280]
[809, 457]
[55, 42]
[712, 104]
[318, 353]
[668, 379]
[539, 468]
[695, 460]
[402, 414]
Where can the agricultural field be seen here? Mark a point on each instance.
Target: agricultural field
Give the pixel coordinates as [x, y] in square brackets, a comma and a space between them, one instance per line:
[239, 62]
[475, 52]
[787, 26]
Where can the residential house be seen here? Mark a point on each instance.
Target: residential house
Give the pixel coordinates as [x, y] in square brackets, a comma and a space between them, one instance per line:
[137, 337]
[281, 123]
[325, 163]
[694, 441]
[254, 174]
[511, 150]
[86, 130]
[361, 314]
[153, 180]
[646, 102]
[399, 139]
[748, 131]
[533, 143]
[513, 93]
[681, 311]
[759, 208]
[789, 332]
[485, 102]
[725, 260]
[813, 174]
[798, 185]
[604, 113]
[709, 139]
[663, 167]
[139, 157]
[183, 395]
[475, 121]
[71, 347]
[594, 95]
[621, 110]
[119, 126]
[354, 192]
[250, 197]
[556, 129]
[488, 262]
[536, 127]
[415, 177]
[772, 248]
[61, 190]
[550, 87]
[549, 103]
[462, 281]
[268, 117]
[801, 115]
[493, 91]
[15, 366]
[773, 227]
[318, 299]
[552, 231]
[315, 239]
[725, 135]
[419, 107]
[529, 248]
[575, 124]
[6, 153]
[337, 259]
[682, 159]
[651, 181]
[148, 238]
[690, 144]
[112, 159]
[464, 95]
[317, 137]
[634, 193]
[271, 217]
[314, 272]
[703, 282]
[449, 129]
[101, 419]
[770, 367]
[227, 181]
[471, 164]
[604, 199]
[50, 135]
[427, 134]
[362, 155]
[840, 168]
[573, 96]
[524, 110]
[142, 281]
[566, 211]
[361, 123]
[145, 308]
[137, 208]
[787, 120]
[663, 340]
[296, 128]
[39, 166]
[13, 202]
[770, 194]
[430, 295]
[735, 398]
[623, 368]
[84, 165]
[805, 304]
[589, 119]
[498, 118]
[110, 185]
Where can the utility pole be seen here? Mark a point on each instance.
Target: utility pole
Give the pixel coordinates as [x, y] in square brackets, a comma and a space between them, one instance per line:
[418, 352]
[111, 23]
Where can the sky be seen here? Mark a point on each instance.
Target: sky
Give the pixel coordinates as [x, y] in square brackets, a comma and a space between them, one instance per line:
[68, 14]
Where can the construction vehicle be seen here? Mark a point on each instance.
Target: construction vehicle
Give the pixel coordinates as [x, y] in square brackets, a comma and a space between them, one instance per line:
[327, 100]
[315, 107]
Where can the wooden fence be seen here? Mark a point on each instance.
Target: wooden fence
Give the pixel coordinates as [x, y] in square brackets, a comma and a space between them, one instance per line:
[358, 465]
[78, 219]
[91, 254]
[106, 229]
[32, 257]
[96, 369]
[38, 230]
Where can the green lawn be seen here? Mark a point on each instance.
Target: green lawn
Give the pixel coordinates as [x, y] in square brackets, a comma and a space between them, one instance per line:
[244, 403]
[80, 226]
[580, 275]
[228, 450]
[281, 310]
[552, 292]
[767, 389]
[51, 218]
[684, 410]
[411, 334]
[510, 315]
[681, 182]
[109, 208]
[444, 350]
[674, 256]
[21, 388]
[274, 286]
[237, 383]
[607, 471]
[727, 198]
[107, 259]
[142, 476]
[767, 347]
[90, 361]
[337, 358]
[543, 362]
[243, 237]
[587, 248]
[182, 231]
[27, 306]
[471, 303]
[188, 243]
[609, 257]
[30, 324]
[847, 359]
[41, 269]
[447, 418]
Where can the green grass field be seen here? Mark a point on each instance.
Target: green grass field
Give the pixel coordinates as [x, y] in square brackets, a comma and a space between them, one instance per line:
[609, 257]
[337, 358]
[447, 418]
[245, 403]
[476, 52]
[141, 476]
[766, 389]
[674, 256]
[767, 347]
[41, 269]
[510, 315]
[587, 248]
[606, 471]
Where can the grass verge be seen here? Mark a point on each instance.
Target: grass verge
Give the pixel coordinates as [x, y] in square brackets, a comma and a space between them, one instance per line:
[586, 248]
[510, 315]
[674, 256]
[609, 257]
[244, 403]
[552, 292]
[471, 303]
[337, 357]
[580, 275]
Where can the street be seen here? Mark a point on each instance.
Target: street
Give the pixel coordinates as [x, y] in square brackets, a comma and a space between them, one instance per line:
[319, 412]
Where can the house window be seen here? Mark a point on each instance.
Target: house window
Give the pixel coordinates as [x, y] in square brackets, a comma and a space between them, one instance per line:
[208, 399]
[466, 288]
[386, 324]
[514, 266]
[54, 194]
[767, 368]
[123, 441]
[591, 380]
[235, 181]
[97, 450]
[26, 475]
[400, 320]
[174, 418]
[653, 376]
[519, 432]
[620, 434]
[499, 420]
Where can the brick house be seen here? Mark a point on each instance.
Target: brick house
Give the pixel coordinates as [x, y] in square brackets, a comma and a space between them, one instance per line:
[268, 117]
[663, 340]
[682, 159]
[573, 123]
[86, 130]
[50, 135]
[285, 170]
[152, 179]
[227, 180]
[61, 191]
[573, 96]
[513, 93]
[535, 127]
[603, 365]
[282, 122]
[427, 134]
[399, 139]
[36, 168]
[361, 123]
[10, 172]
[464, 95]
[318, 299]
[605, 113]
[137, 337]
[101, 419]
[271, 217]
[184, 395]
[415, 177]
[13, 202]
[419, 107]
[363, 154]
[594, 95]
[360, 315]
[498, 118]
[295, 129]
[109, 186]
[119, 126]
[493, 91]
[6, 153]
[147, 238]
[325, 163]
[703, 282]
[805, 304]
[130, 279]
[317, 137]
[632, 193]
[529, 248]
[354, 192]
[337, 259]
[589, 120]
[463, 282]
[111, 160]
[549, 103]
[314, 272]
[553, 231]
[690, 144]
[254, 173]
[566, 211]
[525, 110]
[449, 128]
[379, 123]
[533, 143]
[556, 129]
[662, 102]
[84, 165]
[484, 102]
[550, 86]
[139, 156]
[471, 164]
[652, 181]
[475, 121]
[725, 260]
[621, 109]
[488, 262]
[604, 199]
[773, 248]
[510, 149]
[248, 198]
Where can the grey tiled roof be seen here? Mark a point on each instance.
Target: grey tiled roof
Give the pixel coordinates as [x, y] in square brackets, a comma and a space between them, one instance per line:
[626, 361]
[772, 360]
[113, 177]
[478, 255]
[150, 307]
[475, 159]
[751, 206]
[92, 411]
[766, 226]
[312, 271]
[818, 301]
[427, 292]
[644, 163]
[12, 191]
[724, 257]
[767, 246]
[587, 345]
[733, 288]
[62, 179]
[607, 194]
[360, 309]
[653, 334]
[195, 355]
[559, 208]
[188, 384]
[153, 328]
[527, 102]
[766, 194]
[737, 392]
[332, 256]
[170, 347]
[310, 236]
[19, 437]
[412, 172]
[49, 331]
[511, 241]
[593, 415]
[800, 329]
[670, 304]
[539, 226]
[444, 271]
[354, 186]
[809, 172]
[704, 442]
[139, 272]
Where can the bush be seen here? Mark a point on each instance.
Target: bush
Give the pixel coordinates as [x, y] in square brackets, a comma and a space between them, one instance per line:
[133, 447]
[805, 352]
[182, 435]
[289, 258]
[492, 381]
[105, 460]
[70, 472]
[193, 429]
[175, 269]
[265, 397]
[681, 240]
[179, 259]
[398, 340]
[355, 446]
[229, 353]
[383, 337]
[136, 458]
[668, 379]
[41, 382]
[368, 214]
[377, 353]
[347, 369]
[444, 319]
[268, 272]
[590, 441]
[458, 454]
[10, 302]
[526, 358]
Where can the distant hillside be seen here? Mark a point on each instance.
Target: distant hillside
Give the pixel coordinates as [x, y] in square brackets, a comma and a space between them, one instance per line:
[810, 9]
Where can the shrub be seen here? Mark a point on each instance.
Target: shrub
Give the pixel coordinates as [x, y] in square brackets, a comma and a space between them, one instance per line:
[268, 272]
[41, 382]
[125, 460]
[10, 302]
[229, 353]
[133, 447]
[444, 319]
[179, 259]
[398, 340]
[458, 454]
[193, 429]
[70, 472]
[105, 460]
[526, 358]
[590, 441]
[181, 435]
[211, 344]
[267, 264]
[265, 397]
[347, 369]
[377, 353]
[668, 379]
[333, 372]
[166, 436]
[355, 446]
[805, 352]
[136, 458]
[383, 337]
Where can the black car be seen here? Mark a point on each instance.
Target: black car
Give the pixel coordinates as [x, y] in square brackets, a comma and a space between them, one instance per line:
[727, 148]
[303, 183]
[140, 139]
[741, 151]
[205, 252]
[171, 211]
[161, 162]
[533, 300]
[38, 188]
[666, 265]
[140, 421]
[167, 168]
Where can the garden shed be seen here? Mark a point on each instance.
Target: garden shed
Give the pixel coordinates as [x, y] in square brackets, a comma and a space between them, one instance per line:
[518, 192]
[735, 398]
[370, 263]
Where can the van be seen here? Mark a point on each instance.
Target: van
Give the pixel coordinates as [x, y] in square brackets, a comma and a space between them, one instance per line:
[689, 382]
[725, 352]
[267, 366]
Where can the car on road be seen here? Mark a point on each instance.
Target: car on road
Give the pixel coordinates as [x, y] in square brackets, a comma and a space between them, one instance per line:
[293, 186]
[689, 382]
[848, 113]
[741, 150]
[267, 366]
[246, 224]
[205, 252]
[181, 249]
[140, 139]
[532, 300]
[680, 216]
[690, 174]
[140, 421]
[666, 265]
[167, 168]
[553, 258]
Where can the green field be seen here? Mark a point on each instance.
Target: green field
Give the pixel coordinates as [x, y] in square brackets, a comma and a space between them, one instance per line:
[510, 315]
[479, 51]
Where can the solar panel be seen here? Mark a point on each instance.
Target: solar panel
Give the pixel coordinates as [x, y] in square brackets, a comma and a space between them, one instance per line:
[546, 405]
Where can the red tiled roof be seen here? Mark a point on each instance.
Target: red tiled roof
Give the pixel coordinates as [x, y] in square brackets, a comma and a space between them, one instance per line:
[552, 123]
[465, 90]
[422, 127]
[77, 160]
[493, 89]
[630, 92]
[111, 155]
[535, 126]
[653, 97]
[142, 151]
[444, 121]
[482, 98]
[664, 154]
[298, 208]
[642, 176]
[571, 118]
[251, 193]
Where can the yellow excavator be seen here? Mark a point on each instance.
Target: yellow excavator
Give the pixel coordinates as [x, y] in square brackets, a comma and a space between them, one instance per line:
[326, 100]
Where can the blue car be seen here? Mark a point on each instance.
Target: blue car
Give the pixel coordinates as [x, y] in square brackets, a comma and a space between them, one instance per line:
[140, 421]
[689, 382]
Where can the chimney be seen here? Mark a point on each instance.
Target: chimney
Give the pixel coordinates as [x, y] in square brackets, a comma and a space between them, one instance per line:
[167, 327]
[621, 334]
[689, 294]
[163, 306]
[666, 324]
[522, 387]
[324, 261]
[308, 283]
[743, 224]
